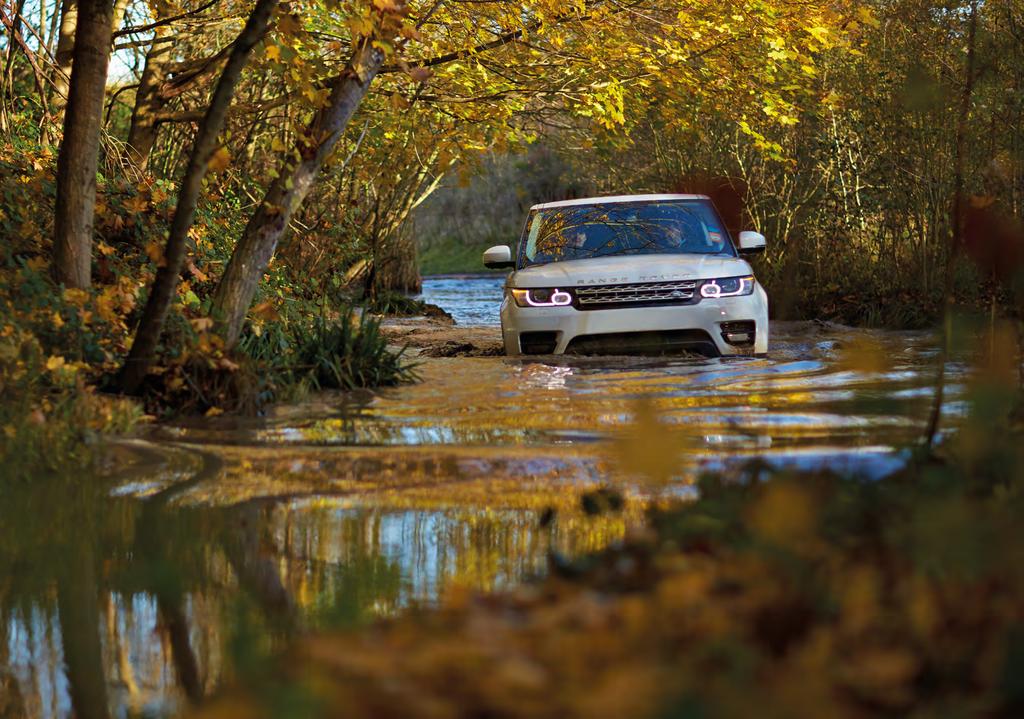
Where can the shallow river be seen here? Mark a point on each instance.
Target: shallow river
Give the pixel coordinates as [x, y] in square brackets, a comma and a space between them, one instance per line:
[142, 586]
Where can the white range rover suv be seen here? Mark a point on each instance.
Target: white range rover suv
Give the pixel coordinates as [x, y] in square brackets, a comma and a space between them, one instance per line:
[631, 274]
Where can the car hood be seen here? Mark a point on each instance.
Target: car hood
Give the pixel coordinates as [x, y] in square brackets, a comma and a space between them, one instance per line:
[629, 269]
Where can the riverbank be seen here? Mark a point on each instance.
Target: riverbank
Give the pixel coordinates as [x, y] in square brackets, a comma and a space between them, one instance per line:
[433, 337]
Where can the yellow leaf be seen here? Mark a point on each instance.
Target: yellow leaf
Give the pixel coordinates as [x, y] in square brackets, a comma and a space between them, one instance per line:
[647, 446]
[866, 16]
[76, 297]
[360, 26]
[273, 52]
[819, 33]
[54, 363]
[220, 160]
[865, 355]
[214, 411]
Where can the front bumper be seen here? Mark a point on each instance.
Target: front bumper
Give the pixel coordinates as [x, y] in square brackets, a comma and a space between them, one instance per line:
[528, 330]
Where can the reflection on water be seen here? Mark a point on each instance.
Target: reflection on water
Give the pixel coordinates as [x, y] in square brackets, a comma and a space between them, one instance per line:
[138, 597]
[134, 589]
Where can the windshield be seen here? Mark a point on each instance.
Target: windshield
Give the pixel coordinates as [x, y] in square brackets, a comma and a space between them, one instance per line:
[577, 232]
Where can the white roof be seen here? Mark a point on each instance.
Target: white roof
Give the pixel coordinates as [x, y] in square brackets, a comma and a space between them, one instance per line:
[617, 198]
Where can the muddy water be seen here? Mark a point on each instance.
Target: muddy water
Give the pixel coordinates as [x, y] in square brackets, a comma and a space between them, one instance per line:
[204, 543]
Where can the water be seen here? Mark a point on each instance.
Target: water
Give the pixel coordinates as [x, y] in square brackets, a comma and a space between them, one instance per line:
[124, 588]
[469, 299]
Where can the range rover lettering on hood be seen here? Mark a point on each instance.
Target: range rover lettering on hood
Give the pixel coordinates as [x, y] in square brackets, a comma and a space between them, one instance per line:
[626, 280]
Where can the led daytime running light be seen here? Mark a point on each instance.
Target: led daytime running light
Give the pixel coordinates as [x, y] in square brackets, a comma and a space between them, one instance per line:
[712, 290]
[558, 298]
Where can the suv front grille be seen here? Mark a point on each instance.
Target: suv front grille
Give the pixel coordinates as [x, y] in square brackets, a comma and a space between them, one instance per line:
[658, 342]
[640, 294]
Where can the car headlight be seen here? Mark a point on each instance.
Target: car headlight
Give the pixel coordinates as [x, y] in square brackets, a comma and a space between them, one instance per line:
[728, 287]
[552, 297]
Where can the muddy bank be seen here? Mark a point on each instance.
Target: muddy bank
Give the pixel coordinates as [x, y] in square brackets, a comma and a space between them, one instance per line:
[440, 337]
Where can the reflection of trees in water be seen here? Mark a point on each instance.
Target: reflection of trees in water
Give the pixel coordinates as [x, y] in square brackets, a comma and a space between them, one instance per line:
[110, 603]
[432, 549]
[95, 577]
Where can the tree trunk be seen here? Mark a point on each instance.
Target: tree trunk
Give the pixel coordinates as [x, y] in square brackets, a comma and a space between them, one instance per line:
[51, 36]
[186, 666]
[237, 287]
[143, 130]
[66, 46]
[79, 152]
[63, 55]
[162, 293]
[255, 568]
[15, 30]
[78, 610]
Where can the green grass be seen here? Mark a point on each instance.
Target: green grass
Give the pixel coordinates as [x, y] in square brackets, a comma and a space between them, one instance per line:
[454, 257]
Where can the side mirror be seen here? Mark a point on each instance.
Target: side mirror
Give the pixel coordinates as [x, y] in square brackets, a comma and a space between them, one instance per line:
[751, 242]
[499, 257]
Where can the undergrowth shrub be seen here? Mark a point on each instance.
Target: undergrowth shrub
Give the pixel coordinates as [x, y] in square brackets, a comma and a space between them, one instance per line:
[49, 415]
[323, 353]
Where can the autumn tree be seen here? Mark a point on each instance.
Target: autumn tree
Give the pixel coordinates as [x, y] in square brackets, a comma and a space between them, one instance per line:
[503, 67]
[259, 241]
[161, 294]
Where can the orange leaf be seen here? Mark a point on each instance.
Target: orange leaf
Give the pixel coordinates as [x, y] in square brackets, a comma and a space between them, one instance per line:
[264, 311]
[136, 205]
[155, 253]
[196, 272]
